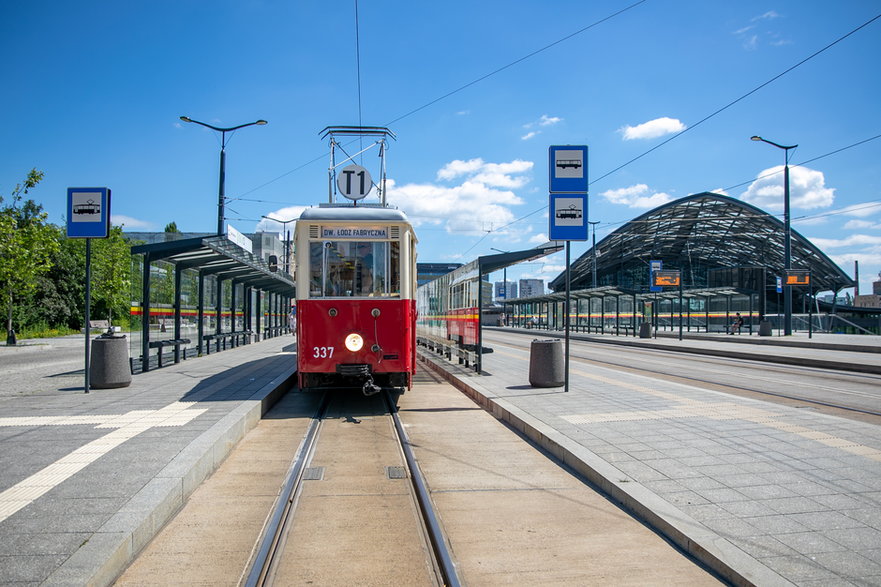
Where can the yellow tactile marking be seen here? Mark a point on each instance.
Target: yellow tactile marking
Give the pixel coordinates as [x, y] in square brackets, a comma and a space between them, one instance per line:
[125, 426]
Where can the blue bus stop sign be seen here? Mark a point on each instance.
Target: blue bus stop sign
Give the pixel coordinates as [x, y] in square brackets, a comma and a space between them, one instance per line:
[88, 212]
[568, 217]
[567, 167]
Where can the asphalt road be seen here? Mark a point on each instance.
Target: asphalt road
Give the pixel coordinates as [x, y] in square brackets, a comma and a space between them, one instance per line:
[42, 366]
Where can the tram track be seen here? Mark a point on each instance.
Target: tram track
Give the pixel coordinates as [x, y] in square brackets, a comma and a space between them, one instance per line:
[759, 374]
[273, 561]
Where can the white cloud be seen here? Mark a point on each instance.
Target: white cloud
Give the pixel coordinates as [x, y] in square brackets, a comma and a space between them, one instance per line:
[756, 33]
[538, 239]
[807, 189]
[770, 15]
[480, 202]
[853, 240]
[544, 120]
[861, 210]
[129, 223]
[861, 224]
[637, 196]
[288, 213]
[457, 167]
[652, 129]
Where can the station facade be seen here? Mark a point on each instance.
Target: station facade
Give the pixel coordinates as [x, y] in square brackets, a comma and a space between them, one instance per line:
[729, 255]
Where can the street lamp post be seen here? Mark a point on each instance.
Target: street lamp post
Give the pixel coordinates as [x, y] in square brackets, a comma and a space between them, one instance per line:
[287, 240]
[787, 236]
[221, 195]
[505, 282]
[593, 248]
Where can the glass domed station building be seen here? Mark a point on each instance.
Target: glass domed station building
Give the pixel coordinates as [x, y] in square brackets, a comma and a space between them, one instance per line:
[729, 255]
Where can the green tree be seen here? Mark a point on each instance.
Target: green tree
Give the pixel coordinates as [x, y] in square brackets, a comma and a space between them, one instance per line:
[172, 227]
[111, 274]
[58, 299]
[26, 245]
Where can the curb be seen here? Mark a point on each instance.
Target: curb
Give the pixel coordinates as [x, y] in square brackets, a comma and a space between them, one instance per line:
[735, 354]
[116, 544]
[723, 558]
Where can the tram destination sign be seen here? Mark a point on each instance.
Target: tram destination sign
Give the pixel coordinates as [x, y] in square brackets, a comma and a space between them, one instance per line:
[354, 232]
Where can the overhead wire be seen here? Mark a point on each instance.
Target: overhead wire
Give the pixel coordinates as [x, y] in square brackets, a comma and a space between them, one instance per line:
[457, 90]
[733, 102]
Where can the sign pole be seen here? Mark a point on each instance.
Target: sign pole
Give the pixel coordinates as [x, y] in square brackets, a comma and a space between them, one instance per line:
[566, 307]
[88, 304]
[680, 309]
[88, 217]
[567, 206]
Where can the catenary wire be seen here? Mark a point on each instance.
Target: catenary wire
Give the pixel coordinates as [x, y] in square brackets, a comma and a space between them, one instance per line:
[459, 89]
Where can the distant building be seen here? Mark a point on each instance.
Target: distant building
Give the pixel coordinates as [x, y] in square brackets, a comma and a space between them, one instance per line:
[531, 287]
[426, 272]
[266, 244]
[870, 301]
[506, 290]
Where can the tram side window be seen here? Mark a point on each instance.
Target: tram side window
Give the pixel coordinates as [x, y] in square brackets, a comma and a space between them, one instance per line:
[353, 268]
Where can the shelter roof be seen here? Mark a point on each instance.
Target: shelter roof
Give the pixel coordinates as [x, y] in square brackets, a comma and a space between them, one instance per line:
[218, 256]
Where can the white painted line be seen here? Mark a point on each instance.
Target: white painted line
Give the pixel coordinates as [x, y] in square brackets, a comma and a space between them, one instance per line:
[126, 426]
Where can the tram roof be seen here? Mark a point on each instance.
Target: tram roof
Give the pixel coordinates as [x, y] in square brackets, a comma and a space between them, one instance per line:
[219, 256]
[343, 212]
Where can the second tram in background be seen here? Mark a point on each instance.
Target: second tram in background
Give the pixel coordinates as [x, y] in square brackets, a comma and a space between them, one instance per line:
[447, 307]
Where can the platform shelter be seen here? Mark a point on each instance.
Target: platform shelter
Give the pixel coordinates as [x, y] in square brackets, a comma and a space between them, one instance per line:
[200, 295]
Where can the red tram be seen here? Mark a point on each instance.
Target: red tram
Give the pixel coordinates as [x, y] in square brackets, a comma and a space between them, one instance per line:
[356, 288]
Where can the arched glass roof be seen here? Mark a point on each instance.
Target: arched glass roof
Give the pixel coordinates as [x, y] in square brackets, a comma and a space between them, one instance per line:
[698, 234]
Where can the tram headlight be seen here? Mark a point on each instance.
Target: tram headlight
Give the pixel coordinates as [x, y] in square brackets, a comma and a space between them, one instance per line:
[354, 342]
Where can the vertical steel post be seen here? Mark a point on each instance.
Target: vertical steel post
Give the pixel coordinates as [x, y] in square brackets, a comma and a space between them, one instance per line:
[88, 307]
[566, 317]
[221, 197]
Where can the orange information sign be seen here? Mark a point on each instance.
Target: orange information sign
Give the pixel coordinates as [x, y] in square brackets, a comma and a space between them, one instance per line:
[798, 278]
[666, 278]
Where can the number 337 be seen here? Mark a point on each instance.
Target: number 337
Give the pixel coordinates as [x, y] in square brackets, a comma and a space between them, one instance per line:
[322, 352]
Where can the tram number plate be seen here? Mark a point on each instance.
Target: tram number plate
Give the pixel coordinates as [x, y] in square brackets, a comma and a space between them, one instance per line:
[322, 352]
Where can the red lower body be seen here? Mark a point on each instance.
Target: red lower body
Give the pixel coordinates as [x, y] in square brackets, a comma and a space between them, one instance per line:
[386, 331]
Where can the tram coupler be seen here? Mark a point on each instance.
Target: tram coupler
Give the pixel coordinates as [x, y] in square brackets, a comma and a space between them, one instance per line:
[370, 388]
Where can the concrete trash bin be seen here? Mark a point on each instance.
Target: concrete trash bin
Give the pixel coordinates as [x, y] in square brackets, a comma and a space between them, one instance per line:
[109, 366]
[645, 330]
[546, 368]
[765, 328]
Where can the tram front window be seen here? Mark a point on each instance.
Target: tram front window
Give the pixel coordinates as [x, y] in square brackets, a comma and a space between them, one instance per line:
[354, 268]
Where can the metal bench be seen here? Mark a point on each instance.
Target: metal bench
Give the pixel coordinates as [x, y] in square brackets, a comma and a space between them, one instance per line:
[161, 344]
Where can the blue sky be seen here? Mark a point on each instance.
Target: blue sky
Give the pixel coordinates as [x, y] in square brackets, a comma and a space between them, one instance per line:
[94, 92]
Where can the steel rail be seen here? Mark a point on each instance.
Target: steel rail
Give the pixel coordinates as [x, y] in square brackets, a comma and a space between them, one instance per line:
[272, 538]
[435, 532]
